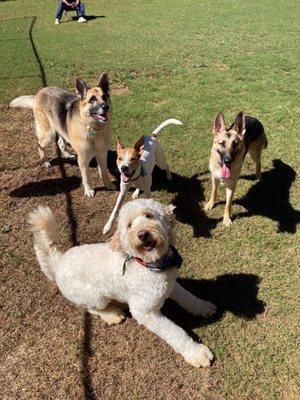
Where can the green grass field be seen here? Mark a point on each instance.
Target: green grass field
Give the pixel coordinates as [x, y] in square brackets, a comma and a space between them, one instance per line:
[184, 59]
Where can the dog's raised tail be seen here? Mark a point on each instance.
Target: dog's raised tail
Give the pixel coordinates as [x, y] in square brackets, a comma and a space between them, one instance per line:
[23, 102]
[44, 228]
[171, 121]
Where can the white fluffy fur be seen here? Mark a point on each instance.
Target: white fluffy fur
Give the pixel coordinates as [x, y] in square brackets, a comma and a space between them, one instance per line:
[91, 275]
[23, 102]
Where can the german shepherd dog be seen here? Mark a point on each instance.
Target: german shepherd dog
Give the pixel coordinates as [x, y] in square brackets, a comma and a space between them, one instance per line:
[83, 121]
[228, 152]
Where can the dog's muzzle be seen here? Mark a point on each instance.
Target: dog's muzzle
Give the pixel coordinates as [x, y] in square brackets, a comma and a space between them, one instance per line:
[101, 114]
[148, 242]
[125, 174]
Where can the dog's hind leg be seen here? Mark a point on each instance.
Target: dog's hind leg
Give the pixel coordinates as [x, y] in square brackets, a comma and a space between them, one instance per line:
[191, 303]
[45, 133]
[62, 147]
[255, 151]
[161, 161]
[111, 314]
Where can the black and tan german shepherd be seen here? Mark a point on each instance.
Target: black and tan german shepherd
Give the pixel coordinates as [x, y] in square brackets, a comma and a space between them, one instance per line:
[82, 120]
[228, 152]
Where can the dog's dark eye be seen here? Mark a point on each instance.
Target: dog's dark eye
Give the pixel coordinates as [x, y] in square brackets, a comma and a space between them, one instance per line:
[132, 159]
[120, 158]
[222, 143]
[92, 99]
[129, 225]
[149, 216]
[235, 143]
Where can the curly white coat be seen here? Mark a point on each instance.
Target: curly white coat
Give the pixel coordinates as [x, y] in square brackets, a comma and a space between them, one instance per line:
[90, 276]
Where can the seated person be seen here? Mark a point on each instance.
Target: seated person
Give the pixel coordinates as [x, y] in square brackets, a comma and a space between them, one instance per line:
[67, 5]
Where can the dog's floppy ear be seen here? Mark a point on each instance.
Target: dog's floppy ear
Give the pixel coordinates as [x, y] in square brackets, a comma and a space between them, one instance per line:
[240, 124]
[115, 242]
[139, 144]
[219, 125]
[120, 145]
[81, 88]
[104, 83]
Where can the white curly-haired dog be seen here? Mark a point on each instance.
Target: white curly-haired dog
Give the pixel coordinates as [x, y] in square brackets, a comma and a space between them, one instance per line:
[138, 266]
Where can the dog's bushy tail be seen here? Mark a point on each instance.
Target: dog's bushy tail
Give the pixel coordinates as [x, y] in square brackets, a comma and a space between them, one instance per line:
[171, 121]
[44, 228]
[23, 102]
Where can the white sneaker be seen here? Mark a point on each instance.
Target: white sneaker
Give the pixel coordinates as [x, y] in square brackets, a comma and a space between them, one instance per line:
[57, 21]
[81, 19]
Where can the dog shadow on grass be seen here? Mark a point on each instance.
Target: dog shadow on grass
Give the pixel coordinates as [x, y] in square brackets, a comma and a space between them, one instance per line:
[234, 293]
[189, 194]
[269, 197]
[64, 184]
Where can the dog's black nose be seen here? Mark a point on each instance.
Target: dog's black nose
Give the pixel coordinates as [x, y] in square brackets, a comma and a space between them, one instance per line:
[144, 235]
[228, 160]
[105, 107]
[124, 168]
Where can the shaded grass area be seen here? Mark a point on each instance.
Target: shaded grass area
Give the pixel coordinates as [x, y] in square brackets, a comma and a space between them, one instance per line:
[184, 59]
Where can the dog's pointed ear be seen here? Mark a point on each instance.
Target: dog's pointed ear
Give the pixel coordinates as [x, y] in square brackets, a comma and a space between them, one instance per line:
[81, 88]
[104, 84]
[139, 144]
[171, 217]
[240, 124]
[115, 242]
[170, 209]
[120, 145]
[219, 125]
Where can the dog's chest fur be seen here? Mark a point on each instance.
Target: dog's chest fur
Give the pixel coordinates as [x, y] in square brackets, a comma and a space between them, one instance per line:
[152, 288]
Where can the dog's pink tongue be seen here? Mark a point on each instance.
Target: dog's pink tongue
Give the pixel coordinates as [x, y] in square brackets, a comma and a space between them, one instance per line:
[225, 172]
[125, 178]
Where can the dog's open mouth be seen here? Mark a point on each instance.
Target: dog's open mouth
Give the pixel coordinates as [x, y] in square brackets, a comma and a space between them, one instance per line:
[226, 171]
[126, 176]
[149, 245]
[100, 117]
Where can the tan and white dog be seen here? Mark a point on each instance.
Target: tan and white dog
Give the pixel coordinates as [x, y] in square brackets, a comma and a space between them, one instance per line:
[136, 165]
[83, 121]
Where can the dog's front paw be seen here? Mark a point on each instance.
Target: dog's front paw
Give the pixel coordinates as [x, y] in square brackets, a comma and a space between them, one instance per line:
[209, 206]
[200, 357]
[110, 186]
[46, 162]
[89, 192]
[71, 157]
[206, 309]
[227, 221]
[135, 194]
[106, 229]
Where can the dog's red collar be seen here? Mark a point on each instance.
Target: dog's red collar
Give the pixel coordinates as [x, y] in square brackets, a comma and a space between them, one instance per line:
[169, 260]
[140, 261]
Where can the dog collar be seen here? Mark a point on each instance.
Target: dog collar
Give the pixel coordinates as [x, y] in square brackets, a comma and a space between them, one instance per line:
[142, 173]
[171, 259]
[92, 133]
